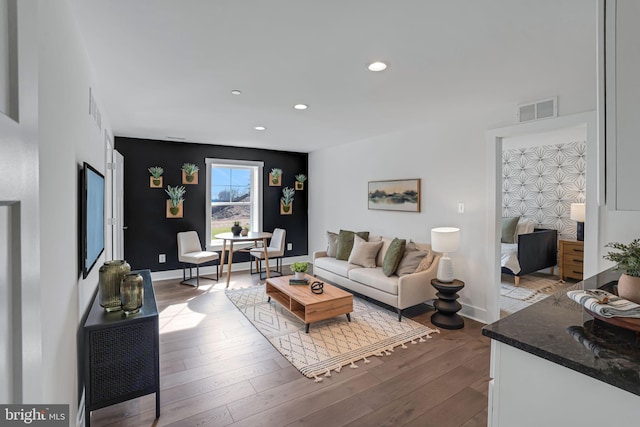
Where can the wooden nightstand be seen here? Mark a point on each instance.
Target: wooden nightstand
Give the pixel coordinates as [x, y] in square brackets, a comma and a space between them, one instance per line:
[571, 259]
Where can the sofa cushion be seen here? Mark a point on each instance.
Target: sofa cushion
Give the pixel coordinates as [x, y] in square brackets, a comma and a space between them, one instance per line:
[410, 262]
[383, 251]
[426, 262]
[332, 244]
[364, 253]
[335, 266]
[375, 278]
[345, 243]
[393, 256]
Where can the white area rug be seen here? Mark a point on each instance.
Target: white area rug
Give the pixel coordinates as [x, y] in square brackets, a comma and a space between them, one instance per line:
[533, 288]
[330, 344]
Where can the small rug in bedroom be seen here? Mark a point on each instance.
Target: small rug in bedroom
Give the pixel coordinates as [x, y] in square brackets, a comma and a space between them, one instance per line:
[333, 343]
[533, 288]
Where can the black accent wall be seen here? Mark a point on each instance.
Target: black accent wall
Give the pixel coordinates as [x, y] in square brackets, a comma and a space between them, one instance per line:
[149, 233]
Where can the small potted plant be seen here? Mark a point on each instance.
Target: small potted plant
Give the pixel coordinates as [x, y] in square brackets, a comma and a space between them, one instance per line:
[300, 179]
[190, 173]
[155, 180]
[299, 269]
[245, 230]
[627, 259]
[275, 176]
[176, 197]
[236, 229]
[286, 200]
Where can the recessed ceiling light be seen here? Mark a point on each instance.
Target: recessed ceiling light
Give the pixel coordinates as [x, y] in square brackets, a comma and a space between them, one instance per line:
[301, 106]
[377, 66]
[260, 128]
[236, 92]
[179, 138]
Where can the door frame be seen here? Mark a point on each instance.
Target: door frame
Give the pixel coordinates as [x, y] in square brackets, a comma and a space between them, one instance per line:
[594, 194]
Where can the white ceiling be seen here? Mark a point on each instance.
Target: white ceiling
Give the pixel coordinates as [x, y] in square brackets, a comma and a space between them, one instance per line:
[166, 68]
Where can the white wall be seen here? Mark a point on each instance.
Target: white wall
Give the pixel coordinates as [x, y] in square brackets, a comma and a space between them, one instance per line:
[67, 136]
[19, 191]
[449, 157]
[448, 152]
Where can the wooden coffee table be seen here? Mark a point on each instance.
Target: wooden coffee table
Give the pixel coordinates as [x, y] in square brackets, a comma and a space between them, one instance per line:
[307, 306]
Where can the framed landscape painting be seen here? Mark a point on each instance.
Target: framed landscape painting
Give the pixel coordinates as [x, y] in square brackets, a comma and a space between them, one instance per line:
[395, 195]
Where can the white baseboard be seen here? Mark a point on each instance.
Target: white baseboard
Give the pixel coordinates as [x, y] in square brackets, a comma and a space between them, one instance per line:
[475, 313]
[211, 270]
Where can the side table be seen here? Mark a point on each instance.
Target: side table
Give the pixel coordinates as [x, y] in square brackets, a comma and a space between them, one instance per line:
[446, 305]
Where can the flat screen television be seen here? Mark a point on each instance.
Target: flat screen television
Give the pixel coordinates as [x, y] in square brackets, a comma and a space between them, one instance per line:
[92, 217]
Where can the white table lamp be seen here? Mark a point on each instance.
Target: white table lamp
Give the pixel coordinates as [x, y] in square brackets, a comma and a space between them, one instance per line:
[577, 214]
[445, 240]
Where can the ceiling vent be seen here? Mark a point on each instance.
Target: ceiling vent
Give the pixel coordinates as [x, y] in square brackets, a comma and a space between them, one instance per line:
[542, 109]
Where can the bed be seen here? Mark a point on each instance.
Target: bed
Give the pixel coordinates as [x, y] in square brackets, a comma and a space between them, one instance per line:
[534, 251]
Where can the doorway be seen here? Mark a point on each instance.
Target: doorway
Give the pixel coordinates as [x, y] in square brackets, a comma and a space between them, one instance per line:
[496, 139]
[543, 174]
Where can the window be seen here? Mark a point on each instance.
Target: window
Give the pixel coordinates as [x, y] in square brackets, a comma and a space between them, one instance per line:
[233, 194]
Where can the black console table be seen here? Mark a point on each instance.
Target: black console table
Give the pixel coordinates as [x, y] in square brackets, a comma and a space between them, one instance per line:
[121, 353]
[446, 305]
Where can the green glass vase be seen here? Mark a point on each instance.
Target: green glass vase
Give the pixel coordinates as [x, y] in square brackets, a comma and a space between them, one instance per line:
[131, 293]
[109, 278]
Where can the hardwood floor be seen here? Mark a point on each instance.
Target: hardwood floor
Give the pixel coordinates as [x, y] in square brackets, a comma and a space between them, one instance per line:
[218, 370]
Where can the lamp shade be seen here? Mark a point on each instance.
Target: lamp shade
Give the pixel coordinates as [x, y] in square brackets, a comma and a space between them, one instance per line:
[445, 239]
[577, 212]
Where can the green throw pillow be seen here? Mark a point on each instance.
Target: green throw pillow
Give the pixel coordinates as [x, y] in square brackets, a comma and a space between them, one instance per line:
[393, 256]
[345, 243]
[509, 229]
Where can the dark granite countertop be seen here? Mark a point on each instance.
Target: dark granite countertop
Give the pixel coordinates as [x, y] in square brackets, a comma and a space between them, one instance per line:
[561, 331]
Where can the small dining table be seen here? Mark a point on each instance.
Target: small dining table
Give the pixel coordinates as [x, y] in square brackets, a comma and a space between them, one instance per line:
[254, 236]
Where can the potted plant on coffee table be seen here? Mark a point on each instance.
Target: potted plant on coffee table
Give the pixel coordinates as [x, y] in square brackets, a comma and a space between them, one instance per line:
[299, 269]
[628, 260]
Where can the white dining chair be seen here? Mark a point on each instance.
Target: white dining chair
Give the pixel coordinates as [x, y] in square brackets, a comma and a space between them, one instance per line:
[275, 250]
[190, 252]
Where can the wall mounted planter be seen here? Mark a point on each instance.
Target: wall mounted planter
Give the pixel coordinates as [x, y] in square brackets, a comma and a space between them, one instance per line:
[275, 181]
[174, 212]
[155, 182]
[286, 209]
[189, 179]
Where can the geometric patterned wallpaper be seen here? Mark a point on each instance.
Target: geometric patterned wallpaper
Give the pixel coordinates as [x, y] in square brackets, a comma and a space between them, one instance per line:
[540, 183]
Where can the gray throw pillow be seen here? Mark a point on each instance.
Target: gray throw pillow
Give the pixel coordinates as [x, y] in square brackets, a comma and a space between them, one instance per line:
[345, 243]
[332, 244]
[393, 256]
[426, 262]
[364, 253]
[410, 262]
[508, 229]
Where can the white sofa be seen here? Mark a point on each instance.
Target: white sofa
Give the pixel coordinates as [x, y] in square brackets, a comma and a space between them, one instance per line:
[399, 292]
